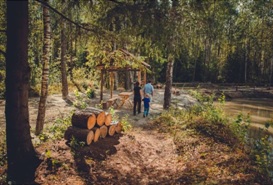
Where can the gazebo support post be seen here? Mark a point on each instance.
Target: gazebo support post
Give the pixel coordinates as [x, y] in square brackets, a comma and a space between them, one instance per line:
[111, 83]
[101, 85]
[139, 77]
[145, 80]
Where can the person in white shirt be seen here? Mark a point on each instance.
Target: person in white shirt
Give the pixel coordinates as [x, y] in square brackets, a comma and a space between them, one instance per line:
[149, 89]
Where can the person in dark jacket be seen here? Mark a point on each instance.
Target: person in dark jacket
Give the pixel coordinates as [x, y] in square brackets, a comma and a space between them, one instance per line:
[137, 98]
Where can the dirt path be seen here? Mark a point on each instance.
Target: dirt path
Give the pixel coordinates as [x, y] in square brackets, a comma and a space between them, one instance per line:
[141, 156]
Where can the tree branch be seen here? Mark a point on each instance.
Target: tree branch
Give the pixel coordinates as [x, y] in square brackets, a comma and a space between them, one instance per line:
[115, 1]
[4, 31]
[94, 30]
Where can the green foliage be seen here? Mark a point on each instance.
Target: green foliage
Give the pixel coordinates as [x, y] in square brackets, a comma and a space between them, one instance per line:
[59, 126]
[99, 106]
[209, 120]
[79, 102]
[90, 93]
[125, 123]
[75, 145]
[204, 118]
[262, 150]
[54, 131]
[3, 156]
[52, 164]
[240, 126]
[112, 111]
[2, 83]
[3, 149]
[207, 109]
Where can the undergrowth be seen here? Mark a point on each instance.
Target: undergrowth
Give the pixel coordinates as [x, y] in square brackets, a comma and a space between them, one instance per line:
[209, 120]
[55, 131]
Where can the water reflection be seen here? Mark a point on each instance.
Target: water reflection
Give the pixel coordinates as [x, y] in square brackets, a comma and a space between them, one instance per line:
[260, 110]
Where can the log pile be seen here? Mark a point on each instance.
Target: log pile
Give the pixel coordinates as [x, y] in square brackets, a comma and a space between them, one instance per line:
[175, 91]
[159, 86]
[91, 124]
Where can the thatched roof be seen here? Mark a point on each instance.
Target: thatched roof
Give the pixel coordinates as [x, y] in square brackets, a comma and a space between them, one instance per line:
[122, 59]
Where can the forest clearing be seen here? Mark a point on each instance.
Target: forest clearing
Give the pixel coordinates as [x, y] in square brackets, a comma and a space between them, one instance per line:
[151, 152]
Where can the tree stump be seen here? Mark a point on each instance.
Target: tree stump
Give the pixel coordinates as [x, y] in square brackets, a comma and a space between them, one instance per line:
[85, 119]
[108, 119]
[80, 134]
[103, 131]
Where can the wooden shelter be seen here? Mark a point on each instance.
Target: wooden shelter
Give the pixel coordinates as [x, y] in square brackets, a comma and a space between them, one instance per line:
[121, 60]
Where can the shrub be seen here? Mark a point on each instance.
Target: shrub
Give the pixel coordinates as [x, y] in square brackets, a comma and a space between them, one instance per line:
[90, 93]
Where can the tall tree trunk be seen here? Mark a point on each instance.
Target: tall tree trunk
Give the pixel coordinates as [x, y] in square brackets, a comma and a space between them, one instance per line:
[63, 64]
[22, 158]
[194, 71]
[116, 82]
[169, 82]
[44, 85]
[270, 77]
[207, 59]
[246, 59]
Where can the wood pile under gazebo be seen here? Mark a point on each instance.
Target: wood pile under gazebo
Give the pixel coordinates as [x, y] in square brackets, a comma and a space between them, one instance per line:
[91, 124]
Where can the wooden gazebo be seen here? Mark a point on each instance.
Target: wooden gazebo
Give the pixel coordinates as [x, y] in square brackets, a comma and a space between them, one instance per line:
[121, 60]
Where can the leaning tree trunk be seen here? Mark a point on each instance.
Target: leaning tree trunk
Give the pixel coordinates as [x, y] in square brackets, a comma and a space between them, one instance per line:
[21, 156]
[44, 84]
[63, 64]
[169, 81]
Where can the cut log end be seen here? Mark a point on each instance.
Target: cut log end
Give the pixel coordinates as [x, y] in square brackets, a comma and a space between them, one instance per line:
[108, 119]
[97, 134]
[90, 137]
[101, 118]
[103, 131]
[112, 130]
[118, 127]
[91, 121]
[80, 134]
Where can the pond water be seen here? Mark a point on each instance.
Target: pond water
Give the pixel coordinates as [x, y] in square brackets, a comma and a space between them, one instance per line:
[260, 110]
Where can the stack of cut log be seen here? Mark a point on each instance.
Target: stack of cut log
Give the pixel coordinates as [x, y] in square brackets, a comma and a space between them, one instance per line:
[90, 124]
[175, 91]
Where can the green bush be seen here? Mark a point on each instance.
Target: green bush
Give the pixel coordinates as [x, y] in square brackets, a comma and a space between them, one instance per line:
[90, 93]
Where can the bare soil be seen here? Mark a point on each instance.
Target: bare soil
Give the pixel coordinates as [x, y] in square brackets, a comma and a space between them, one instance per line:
[143, 155]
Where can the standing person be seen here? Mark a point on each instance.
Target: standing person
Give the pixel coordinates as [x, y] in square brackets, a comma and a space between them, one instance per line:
[137, 98]
[149, 89]
[146, 101]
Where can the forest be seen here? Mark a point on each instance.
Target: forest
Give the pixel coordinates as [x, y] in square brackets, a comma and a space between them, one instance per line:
[55, 47]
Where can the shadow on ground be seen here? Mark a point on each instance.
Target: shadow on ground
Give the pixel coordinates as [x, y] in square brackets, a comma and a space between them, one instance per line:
[86, 157]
